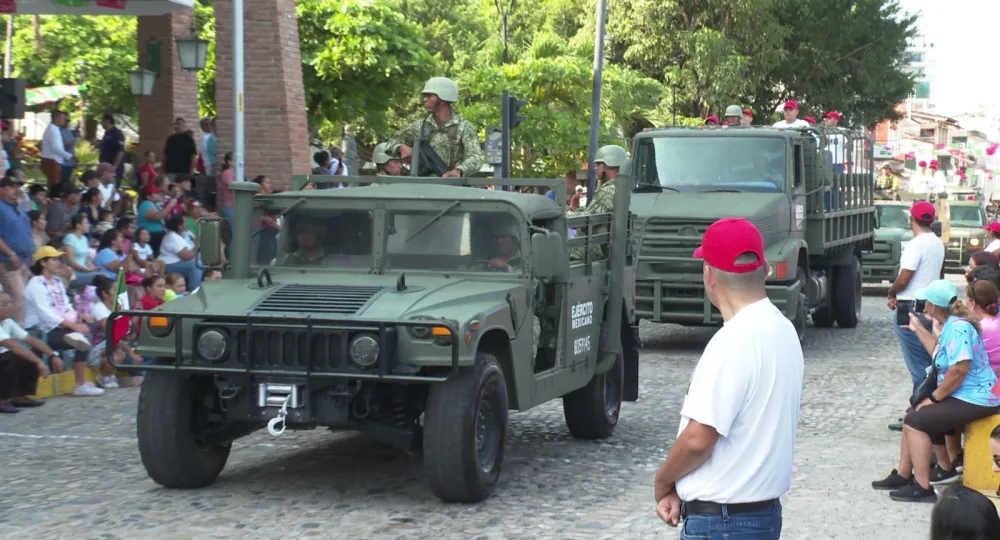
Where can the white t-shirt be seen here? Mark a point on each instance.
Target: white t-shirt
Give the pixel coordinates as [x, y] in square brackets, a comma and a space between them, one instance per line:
[939, 182]
[99, 311]
[144, 252]
[171, 246]
[837, 147]
[924, 255]
[10, 330]
[798, 123]
[109, 194]
[993, 246]
[747, 386]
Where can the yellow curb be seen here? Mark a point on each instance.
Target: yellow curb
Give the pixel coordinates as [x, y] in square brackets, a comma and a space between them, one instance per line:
[60, 384]
[978, 460]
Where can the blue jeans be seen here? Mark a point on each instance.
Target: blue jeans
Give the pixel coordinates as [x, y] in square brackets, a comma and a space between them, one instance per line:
[915, 355]
[760, 525]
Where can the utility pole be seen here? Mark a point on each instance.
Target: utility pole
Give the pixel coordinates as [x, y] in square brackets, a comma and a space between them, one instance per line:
[595, 104]
[504, 11]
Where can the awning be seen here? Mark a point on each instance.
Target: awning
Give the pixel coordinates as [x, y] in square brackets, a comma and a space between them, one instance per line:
[50, 94]
[94, 7]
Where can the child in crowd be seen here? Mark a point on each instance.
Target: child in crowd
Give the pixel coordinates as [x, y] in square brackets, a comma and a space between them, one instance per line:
[176, 287]
[105, 222]
[102, 301]
[142, 247]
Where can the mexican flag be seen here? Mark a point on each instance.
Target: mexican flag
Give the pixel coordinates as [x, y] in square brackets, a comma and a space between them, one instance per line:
[121, 325]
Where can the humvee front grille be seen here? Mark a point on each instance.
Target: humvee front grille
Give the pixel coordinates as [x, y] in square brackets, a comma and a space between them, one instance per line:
[327, 299]
[288, 348]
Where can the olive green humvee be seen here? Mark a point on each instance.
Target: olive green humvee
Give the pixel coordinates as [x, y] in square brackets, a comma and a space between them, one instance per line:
[386, 312]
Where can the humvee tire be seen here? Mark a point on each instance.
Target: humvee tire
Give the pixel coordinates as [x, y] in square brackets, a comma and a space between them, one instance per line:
[465, 432]
[592, 411]
[847, 297]
[169, 451]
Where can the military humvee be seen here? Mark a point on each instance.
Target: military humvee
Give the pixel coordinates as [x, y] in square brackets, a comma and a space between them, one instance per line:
[816, 219]
[964, 215]
[892, 231]
[375, 317]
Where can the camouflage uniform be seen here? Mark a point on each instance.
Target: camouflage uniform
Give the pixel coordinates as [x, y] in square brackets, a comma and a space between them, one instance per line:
[298, 259]
[456, 141]
[611, 156]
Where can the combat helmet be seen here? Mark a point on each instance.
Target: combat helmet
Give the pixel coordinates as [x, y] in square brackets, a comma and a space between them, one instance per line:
[612, 156]
[380, 156]
[734, 110]
[444, 88]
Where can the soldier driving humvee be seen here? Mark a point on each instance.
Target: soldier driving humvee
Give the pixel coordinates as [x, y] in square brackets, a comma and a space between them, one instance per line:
[504, 254]
[309, 246]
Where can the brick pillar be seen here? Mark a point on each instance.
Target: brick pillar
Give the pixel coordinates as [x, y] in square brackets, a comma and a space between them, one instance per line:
[276, 134]
[175, 92]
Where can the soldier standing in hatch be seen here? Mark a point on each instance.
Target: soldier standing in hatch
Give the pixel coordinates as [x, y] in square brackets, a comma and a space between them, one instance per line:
[385, 164]
[609, 161]
[734, 115]
[453, 139]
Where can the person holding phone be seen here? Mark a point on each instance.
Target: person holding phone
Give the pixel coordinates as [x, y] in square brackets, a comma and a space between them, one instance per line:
[919, 265]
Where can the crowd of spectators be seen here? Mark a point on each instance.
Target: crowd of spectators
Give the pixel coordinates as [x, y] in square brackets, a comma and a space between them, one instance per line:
[63, 247]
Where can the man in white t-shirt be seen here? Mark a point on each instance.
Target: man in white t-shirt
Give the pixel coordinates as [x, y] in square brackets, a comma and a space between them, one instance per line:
[837, 143]
[733, 456]
[938, 179]
[920, 264]
[993, 230]
[791, 117]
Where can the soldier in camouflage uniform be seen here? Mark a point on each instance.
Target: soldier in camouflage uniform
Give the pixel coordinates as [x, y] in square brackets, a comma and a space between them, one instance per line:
[386, 164]
[310, 252]
[609, 161]
[453, 139]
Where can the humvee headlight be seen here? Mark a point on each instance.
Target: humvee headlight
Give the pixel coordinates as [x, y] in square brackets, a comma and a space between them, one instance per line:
[974, 242]
[420, 332]
[364, 350]
[212, 345]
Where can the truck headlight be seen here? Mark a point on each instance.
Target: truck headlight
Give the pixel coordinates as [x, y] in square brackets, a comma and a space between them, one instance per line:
[212, 345]
[974, 242]
[364, 350]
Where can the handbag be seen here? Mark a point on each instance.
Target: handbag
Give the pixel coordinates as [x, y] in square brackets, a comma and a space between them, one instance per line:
[926, 387]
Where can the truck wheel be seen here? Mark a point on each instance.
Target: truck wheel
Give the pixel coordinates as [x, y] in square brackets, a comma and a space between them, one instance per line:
[592, 411]
[847, 295]
[165, 428]
[465, 432]
[800, 312]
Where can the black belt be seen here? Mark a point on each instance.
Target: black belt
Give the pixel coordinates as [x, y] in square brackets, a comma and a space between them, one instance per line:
[705, 508]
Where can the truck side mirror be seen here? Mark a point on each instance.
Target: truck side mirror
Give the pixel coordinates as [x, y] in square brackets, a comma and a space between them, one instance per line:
[936, 228]
[549, 258]
[800, 165]
[210, 241]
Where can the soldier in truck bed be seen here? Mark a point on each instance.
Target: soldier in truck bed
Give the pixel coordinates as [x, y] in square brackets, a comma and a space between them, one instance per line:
[609, 161]
[453, 139]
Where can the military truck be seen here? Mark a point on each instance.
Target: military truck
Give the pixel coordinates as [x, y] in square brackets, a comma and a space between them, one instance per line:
[386, 312]
[964, 216]
[815, 220]
[892, 231]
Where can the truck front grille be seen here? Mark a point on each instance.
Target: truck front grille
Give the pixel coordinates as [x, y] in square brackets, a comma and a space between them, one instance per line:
[670, 244]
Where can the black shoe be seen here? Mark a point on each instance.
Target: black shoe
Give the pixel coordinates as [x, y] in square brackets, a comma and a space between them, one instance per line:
[893, 481]
[941, 476]
[898, 426]
[913, 493]
[26, 403]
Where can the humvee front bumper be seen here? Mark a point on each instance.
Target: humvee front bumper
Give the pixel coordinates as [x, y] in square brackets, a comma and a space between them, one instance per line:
[280, 347]
[685, 302]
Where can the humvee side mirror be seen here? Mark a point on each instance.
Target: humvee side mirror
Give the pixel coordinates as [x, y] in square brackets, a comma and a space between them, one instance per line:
[211, 242]
[549, 258]
[936, 228]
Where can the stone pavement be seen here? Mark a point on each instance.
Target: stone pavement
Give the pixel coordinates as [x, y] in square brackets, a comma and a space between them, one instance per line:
[71, 469]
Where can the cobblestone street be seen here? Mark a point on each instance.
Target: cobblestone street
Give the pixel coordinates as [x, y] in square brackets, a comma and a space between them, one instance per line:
[71, 469]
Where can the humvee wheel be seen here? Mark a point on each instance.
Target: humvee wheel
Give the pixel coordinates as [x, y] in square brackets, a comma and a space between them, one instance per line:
[592, 411]
[847, 297]
[465, 432]
[165, 426]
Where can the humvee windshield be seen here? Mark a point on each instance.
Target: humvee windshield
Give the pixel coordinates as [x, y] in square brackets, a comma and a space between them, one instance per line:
[893, 216]
[329, 238]
[454, 240]
[698, 164]
[967, 216]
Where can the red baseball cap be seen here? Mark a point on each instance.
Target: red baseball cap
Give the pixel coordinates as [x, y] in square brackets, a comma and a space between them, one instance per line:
[810, 119]
[712, 118]
[922, 164]
[790, 104]
[727, 239]
[748, 112]
[993, 227]
[832, 114]
[923, 211]
[934, 163]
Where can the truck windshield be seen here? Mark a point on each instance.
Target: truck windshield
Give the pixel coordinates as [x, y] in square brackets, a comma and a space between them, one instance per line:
[966, 216]
[893, 216]
[451, 239]
[697, 164]
[314, 237]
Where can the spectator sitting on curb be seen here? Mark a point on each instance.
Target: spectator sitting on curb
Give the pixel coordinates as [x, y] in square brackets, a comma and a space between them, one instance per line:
[20, 368]
[102, 303]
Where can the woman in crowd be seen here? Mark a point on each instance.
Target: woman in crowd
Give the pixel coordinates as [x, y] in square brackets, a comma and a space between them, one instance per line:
[147, 171]
[150, 216]
[48, 308]
[964, 514]
[995, 451]
[265, 228]
[983, 298]
[101, 307]
[38, 233]
[90, 205]
[179, 253]
[226, 177]
[964, 381]
[76, 245]
[981, 258]
[110, 259]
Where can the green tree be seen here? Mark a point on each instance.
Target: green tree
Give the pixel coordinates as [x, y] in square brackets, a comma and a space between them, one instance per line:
[204, 21]
[98, 51]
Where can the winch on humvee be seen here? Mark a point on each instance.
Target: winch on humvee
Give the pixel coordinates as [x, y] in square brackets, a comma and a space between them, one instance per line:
[815, 219]
[386, 312]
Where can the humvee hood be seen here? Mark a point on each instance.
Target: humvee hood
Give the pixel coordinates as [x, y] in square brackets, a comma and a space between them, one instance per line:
[348, 296]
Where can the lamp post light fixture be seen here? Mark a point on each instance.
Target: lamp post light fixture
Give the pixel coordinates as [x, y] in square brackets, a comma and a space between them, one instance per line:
[141, 81]
[192, 52]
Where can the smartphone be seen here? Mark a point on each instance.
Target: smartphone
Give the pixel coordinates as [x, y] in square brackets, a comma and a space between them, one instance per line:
[918, 306]
[903, 314]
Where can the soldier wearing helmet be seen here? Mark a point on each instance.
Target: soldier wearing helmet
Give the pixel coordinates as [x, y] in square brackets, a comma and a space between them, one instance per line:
[734, 115]
[453, 139]
[386, 164]
[608, 163]
[505, 250]
[309, 246]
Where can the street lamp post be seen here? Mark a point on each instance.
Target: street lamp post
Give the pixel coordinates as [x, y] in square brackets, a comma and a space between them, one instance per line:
[595, 104]
[141, 82]
[192, 52]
